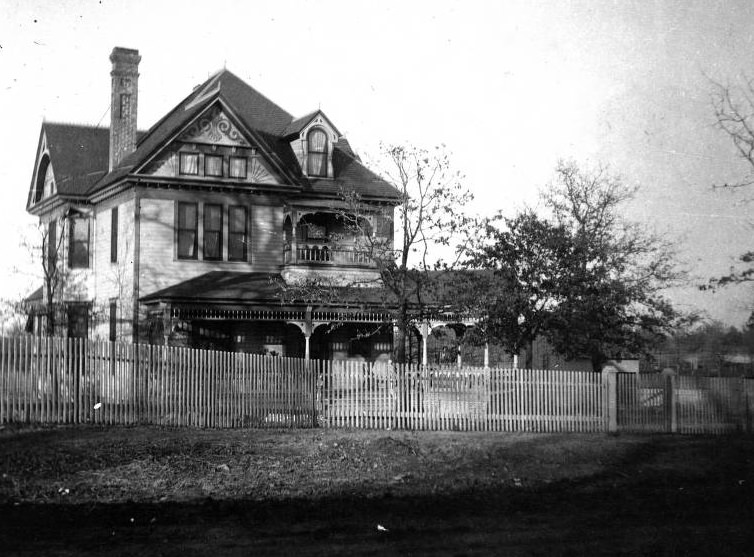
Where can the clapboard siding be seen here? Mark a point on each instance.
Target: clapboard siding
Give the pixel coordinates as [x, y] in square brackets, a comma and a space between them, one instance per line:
[114, 280]
[159, 266]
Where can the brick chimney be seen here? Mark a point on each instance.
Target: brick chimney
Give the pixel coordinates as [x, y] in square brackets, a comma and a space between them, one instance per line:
[123, 103]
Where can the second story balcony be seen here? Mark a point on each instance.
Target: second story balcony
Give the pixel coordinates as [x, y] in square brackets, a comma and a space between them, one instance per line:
[321, 238]
[322, 253]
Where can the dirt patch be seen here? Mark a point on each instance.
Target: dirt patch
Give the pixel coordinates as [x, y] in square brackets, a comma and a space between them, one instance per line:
[68, 490]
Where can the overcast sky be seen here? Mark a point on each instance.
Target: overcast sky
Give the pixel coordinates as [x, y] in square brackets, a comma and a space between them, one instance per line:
[509, 87]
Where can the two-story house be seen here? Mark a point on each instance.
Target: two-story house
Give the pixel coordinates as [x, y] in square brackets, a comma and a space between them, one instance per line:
[183, 233]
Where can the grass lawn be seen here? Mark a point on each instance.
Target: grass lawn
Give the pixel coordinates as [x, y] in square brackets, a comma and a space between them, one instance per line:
[160, 491]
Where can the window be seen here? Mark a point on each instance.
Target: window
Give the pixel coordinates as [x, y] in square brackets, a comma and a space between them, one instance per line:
[317, 149]
[78, 320]
[52, 246]
[78, 243]
[49, 182]
[113, 320]
[189, 163]
[237, 167]
[187, 228]
[213, 231]
[237, 233]
[114, 235]
[125, 105]
[213, 165]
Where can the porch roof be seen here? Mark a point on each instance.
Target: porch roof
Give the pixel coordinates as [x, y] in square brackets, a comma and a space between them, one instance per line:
[228, 293]
[244, 289]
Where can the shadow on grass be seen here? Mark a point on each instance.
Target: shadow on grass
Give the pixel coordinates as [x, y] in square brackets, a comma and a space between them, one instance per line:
[611, 513]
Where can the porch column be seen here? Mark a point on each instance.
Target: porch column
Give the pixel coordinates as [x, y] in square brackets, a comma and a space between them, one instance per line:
[167, 323]
[425, 334]
[515, 361]
[486, 355]
[458, 356]
[308, 329]
[294, 235]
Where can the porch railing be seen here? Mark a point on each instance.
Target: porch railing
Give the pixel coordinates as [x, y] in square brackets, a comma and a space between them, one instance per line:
[318, 253]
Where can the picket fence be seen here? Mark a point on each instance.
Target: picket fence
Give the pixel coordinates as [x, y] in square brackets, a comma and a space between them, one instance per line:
[78, 381]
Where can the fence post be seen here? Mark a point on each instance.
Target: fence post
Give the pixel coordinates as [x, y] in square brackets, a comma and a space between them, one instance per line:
[610, 383]
[745, 414]
[671, 412]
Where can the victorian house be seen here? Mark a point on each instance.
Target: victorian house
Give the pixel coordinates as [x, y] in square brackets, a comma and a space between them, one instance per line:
[184, 233]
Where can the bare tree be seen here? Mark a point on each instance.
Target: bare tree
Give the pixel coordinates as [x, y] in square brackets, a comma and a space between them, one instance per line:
[733, 106]
[403, 241]
[46, 248]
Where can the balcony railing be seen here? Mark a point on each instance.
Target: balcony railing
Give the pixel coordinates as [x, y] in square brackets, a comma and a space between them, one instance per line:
[326, 255]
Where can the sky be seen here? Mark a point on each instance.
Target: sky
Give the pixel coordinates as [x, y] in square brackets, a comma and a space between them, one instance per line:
[508, 87]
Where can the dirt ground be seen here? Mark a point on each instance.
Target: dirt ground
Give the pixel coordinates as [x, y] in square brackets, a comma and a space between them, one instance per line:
[161, 491]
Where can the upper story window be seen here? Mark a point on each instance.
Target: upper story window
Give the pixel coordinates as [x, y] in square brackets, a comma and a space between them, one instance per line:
[213, 165]
[186, 229]
[189, 163]
[237, 233]
[238, 167]
[45, 185]
[78, 243]
[213, 231]
[317, 152]
[114, 235]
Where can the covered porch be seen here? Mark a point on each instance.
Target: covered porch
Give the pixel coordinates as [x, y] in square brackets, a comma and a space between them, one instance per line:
[243, 312]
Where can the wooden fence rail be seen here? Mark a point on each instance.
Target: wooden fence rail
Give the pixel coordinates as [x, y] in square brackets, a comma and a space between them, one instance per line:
[80, 381]
[53, 380]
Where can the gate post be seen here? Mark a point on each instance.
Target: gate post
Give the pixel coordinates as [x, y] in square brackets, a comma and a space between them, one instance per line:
[671, 412]
[610, 385]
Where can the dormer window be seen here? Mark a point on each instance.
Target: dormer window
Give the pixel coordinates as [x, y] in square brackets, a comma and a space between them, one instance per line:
[317, 152]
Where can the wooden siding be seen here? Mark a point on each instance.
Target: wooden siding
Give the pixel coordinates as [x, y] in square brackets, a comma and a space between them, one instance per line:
[159, 266]
[114, 280]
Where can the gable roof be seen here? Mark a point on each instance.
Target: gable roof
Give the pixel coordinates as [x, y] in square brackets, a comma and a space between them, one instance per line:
[76, 151]
[81, 153]
[295, 127]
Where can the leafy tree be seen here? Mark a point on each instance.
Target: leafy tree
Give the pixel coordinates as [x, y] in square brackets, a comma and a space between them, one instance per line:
[614, 304]
[529, 259]
[583, 278]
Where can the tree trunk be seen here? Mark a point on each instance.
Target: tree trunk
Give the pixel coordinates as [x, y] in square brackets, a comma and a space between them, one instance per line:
[401, 334]
[598, 362]
[529, 363]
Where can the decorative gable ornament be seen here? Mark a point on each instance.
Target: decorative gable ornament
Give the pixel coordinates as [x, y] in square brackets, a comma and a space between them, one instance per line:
[320, 122]
[214, 127]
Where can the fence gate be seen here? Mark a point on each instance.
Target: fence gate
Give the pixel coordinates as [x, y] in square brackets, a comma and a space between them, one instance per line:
[684, 404]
